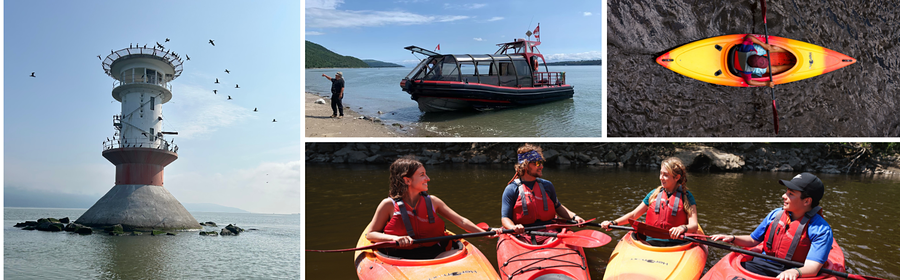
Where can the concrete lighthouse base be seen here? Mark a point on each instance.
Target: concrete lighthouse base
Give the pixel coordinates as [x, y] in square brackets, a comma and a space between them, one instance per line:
[139, 207]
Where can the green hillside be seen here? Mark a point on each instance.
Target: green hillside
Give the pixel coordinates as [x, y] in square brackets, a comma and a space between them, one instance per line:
[570, 63]
[320, 57]
[376, 63]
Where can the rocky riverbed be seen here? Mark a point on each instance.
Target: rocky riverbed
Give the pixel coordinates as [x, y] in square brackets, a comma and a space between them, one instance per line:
[854, 158]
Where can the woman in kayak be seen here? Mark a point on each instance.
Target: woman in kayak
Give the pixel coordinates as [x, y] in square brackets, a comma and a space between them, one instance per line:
[529, 200]
[752, 60]
[419, 218]
[671, 205]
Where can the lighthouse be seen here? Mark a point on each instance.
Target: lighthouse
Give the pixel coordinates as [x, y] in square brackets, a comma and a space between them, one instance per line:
[138, 148]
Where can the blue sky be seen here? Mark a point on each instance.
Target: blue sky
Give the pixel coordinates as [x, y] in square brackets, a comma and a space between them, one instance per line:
[54, 124]
[570, 30]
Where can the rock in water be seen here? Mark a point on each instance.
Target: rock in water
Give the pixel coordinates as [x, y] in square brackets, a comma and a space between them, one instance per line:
[320, 101]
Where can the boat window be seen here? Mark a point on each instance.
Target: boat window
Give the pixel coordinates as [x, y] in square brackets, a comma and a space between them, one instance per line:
[523, 71]
[417, 72]
[483, 68]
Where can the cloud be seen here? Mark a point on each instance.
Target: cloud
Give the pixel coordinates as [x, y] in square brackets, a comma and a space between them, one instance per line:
[495, 18]
[591, 55]
[269, 187]
[331, 18]
[465, 6]
[313, 33]
[323, 4]
[587, 14]
[478, 39]
[199, 112]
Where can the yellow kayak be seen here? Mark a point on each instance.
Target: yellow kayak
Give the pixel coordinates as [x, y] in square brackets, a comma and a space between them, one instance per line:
[711, 60]
[466, 263]
[633, 259]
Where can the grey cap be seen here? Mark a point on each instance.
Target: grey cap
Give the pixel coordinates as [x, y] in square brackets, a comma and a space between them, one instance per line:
[339, 73]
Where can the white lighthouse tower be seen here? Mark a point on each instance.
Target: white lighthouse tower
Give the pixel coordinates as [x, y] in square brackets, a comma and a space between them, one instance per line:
[138, 201]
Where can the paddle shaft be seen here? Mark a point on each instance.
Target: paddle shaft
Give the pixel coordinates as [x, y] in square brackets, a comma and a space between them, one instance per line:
[766, 24]
[755, 254]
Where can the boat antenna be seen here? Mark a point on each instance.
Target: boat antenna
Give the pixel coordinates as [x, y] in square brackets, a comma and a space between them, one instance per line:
[528, 33]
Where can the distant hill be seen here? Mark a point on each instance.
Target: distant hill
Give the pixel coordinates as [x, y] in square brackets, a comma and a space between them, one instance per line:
[320, 57]
[376, 63]
[581, 62]
[16, 197]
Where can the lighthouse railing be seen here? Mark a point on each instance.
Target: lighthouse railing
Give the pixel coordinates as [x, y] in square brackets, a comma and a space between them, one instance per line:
[145, 81]
[117, 143]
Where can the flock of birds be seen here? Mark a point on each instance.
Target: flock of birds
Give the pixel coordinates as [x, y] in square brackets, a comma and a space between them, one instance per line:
[187, 58]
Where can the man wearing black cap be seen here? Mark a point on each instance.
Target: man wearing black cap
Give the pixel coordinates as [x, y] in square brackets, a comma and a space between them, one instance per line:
[796, 231]
[337, 94]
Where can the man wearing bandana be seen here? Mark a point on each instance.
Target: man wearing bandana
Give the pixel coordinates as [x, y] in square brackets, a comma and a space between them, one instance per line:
[529, 200]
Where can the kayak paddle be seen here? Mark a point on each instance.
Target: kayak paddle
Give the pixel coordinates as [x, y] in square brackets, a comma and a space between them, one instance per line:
[780, 260]
[774, 108]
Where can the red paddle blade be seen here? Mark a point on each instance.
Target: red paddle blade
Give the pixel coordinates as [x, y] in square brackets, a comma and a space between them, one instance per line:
[483, 226]
[580, 241]
[763, 4]
[602, 237]
[649, 230]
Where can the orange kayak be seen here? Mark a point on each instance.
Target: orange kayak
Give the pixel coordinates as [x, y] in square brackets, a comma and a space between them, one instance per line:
[729, 267]
[711, 60]
[633, 259]
[553, 260]
[466, 263]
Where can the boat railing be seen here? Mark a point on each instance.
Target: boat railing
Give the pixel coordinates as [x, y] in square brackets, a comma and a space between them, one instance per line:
[549, 78]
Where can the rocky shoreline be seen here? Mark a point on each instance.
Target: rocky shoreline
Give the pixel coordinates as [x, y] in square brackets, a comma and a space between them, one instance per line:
[831, 158]
[64, 224]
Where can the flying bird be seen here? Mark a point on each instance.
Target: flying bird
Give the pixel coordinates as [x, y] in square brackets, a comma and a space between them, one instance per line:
[215, 91]
[187, 56]
[229, 97]
[254, 110]
[226, 71]
[32, 74]
[167, 39]
[98, 57]
[211, 42]
[217, 80]
[160, 46]
[273, 120]
[236, 86]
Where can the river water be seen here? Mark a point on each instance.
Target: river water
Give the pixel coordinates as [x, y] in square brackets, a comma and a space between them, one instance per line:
[369, 90]
[270, 252]
[646, 99]
[862, 209]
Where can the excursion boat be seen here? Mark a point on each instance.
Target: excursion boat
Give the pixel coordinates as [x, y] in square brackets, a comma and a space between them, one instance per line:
[712, 60]
[729, 267]
[634, 259]
[554, 259]
[508, 78]
[466, 263]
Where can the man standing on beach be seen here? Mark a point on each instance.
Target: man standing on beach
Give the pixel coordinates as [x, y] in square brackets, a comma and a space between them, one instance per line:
[337, 94]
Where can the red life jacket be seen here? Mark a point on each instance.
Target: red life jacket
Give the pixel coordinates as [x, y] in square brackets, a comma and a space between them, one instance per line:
[667, 211]
[416, 223]
[787, 239]
[532, 205]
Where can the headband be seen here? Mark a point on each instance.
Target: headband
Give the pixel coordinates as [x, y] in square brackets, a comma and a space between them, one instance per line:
[530, 156]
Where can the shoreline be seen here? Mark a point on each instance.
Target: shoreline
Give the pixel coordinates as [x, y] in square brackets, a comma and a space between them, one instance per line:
[320, 124]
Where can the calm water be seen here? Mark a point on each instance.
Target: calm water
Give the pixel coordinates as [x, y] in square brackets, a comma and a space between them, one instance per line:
[646, 99]
[341, 199]
[271, 252]
[378, 89]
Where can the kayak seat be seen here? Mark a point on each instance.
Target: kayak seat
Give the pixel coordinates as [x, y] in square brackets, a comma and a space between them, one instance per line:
[454, 246]
[730, 59]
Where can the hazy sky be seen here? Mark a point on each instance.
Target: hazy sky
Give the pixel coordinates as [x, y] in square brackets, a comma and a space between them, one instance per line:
[55, 123]
[570, 30]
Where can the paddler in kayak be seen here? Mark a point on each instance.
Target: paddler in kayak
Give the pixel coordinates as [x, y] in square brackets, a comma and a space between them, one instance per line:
[795, 231]
[751, 60]
[419, 218]
[529, 200]
[670, 206]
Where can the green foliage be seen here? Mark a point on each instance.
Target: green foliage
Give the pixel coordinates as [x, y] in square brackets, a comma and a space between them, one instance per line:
[320, 57]
[376, 63]
[581, 62]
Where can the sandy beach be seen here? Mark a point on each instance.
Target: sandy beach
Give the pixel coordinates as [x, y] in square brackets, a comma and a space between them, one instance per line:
[320, 124]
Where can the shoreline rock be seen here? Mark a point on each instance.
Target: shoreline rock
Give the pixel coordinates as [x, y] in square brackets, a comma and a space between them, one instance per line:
[825, 158]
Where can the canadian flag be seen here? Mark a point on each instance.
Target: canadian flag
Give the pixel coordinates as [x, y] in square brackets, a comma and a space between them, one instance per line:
[438, 47]
[537, 32]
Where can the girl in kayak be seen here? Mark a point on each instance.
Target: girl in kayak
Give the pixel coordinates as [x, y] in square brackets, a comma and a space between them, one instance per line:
[752, 60]
[795, 231]
[529, 200]
[671, 205]
[410, 213]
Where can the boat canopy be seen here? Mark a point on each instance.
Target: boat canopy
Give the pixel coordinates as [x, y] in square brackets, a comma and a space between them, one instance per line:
[509, 70]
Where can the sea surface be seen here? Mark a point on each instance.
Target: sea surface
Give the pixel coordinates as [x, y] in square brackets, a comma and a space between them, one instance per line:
[369, 90]
[862, 209]
[270, 252]
[646, 99]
